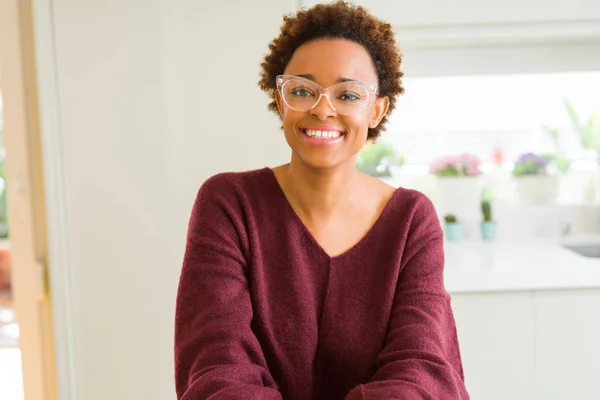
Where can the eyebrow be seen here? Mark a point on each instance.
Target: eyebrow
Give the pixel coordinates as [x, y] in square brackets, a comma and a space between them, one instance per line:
[312, 78]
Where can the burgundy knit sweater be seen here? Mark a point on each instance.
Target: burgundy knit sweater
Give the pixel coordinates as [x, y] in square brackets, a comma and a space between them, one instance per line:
[264, 313]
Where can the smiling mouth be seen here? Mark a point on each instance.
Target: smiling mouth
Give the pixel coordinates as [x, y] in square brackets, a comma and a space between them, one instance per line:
[316, 134]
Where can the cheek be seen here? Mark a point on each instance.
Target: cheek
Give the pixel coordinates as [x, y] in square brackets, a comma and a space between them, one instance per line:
[358, 123]
[290, 119]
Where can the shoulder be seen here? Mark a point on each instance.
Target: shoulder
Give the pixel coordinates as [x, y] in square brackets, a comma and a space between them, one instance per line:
[418, 212]
[408, 202]
[415, 202]
[226, 200]
[232, 180]
[239, 196]
[234, 184]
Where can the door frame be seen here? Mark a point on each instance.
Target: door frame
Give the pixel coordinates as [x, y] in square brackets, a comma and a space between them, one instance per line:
[42, 278]
[59, 260]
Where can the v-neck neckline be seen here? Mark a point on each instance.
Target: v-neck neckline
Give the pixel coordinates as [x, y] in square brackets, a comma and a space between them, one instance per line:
[356, 246]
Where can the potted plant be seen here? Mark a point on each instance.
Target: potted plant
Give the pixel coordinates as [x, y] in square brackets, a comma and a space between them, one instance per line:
[589, 131]
[589, 135]
[534, 183]
[453, 228]
[464, 165]
[378, 159]
[557, 159]
[488, 225]
[458, 182]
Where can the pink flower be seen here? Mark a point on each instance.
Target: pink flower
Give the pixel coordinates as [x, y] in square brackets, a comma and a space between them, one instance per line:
[461, 165]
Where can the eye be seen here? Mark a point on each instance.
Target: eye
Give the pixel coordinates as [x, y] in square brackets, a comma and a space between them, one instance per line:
[301, 92]
[349, 96]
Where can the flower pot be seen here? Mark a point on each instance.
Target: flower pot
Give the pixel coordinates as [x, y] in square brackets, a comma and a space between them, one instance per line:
[542, 189]
[453, 231]
[488, 230]
[456, 194]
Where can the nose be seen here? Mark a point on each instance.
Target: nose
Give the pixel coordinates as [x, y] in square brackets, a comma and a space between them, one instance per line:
[323, 109]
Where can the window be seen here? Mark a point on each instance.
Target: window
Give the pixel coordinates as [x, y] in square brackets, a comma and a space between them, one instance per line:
[492, 115]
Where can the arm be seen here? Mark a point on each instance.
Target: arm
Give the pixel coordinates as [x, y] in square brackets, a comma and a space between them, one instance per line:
[217, 355]
[420, 359]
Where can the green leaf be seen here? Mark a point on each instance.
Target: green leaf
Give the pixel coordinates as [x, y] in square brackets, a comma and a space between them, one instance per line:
[553, 132]
[589, 132]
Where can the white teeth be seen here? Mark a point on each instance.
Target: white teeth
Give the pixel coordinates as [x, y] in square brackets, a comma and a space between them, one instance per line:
[322, 134]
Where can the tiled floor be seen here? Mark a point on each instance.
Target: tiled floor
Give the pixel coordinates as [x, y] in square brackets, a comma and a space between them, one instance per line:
[11, 380]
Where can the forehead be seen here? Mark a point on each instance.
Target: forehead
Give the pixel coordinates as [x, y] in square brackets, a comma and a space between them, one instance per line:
[332, 59]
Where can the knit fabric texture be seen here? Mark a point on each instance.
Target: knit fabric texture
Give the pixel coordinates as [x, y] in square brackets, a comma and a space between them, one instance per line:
[263, 312]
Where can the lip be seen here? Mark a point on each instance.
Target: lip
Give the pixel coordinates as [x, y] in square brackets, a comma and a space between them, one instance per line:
[321, 142]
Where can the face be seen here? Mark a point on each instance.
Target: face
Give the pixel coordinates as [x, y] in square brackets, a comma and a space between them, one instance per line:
[328, 62]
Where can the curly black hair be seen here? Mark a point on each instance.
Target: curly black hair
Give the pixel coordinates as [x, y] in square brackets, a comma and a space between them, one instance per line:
[338, 20]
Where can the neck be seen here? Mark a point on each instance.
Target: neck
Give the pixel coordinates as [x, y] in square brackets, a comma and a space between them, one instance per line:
[321, 193]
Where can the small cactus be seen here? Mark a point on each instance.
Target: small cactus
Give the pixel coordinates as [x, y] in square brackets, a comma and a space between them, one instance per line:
[450, 218]
[486, 209]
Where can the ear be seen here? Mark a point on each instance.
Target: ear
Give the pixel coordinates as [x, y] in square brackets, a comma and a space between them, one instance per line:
[382, 105]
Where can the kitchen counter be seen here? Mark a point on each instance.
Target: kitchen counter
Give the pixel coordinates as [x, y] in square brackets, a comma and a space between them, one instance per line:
[520, 265]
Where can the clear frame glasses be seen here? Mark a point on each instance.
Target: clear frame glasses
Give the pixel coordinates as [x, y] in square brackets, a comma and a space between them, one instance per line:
[345, 98]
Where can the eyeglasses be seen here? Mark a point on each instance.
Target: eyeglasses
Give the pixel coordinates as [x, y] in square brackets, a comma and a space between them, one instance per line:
[345, 98]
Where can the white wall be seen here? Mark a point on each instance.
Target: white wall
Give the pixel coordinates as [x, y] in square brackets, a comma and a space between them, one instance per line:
[153, 97]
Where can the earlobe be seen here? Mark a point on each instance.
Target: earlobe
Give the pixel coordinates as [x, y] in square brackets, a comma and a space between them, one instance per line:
[381, 108]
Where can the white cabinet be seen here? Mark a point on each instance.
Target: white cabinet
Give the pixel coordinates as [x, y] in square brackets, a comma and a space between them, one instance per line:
[496, 335]
[567, 344]
[542, 345]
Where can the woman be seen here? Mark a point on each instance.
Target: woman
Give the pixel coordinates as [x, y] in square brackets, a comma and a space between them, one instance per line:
[312, 280]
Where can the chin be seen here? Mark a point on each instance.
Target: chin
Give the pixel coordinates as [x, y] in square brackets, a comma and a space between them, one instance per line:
[319, 163]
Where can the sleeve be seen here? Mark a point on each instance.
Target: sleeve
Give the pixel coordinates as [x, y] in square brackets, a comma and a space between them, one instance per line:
[217, 355]
[421, 358]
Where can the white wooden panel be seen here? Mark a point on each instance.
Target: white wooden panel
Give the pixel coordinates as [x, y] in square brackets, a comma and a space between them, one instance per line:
[496, 335]
[460, 23]
[567, 344]
[435, 12]
[480, 60]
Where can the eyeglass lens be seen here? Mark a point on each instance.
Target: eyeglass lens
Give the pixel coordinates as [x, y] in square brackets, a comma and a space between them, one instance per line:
[345, 97]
